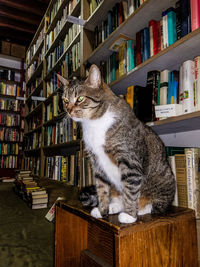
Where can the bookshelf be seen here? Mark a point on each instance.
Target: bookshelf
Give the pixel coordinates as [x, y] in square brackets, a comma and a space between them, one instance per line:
[56, 40]
[11, 114]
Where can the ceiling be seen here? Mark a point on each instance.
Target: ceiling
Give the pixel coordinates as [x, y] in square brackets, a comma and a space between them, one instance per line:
[19, 19]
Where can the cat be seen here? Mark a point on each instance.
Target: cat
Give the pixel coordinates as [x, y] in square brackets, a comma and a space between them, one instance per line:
[128, 159]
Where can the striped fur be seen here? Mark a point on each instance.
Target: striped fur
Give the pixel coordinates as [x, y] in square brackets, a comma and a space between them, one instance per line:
[126, 155]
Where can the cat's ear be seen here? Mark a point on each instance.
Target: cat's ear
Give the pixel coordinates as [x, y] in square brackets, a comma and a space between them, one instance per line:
[64, 81]
[94, 78]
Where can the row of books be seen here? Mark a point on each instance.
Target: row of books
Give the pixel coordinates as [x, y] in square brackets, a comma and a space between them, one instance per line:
[32, 68]
[31, 52]
[7, 134]
[72, 57]
[52, 84]
[64, 168]
[9, 89]
[63, 131]
[7, 75]
[9, 119]
[35, 121]
[93, 4]
[27, 188]
[8, 162]
[53, 109]
[167, 87]
[70, 35]
[33, 141]
[9, 149]
[9, 104]
[33, 164]
[66, 11]
[185, 164]
[37, 81]
[116, 16]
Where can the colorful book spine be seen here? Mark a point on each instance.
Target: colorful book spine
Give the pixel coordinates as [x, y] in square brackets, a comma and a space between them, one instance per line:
[195, 14]
[197, 82]
[171, 23]
[130, 55]
[146, 47]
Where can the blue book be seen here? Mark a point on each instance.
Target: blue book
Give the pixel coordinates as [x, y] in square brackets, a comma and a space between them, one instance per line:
[110, 26]
[185, 17]
[142, 44]
[171, 22]
[130, 51]
[146, 52]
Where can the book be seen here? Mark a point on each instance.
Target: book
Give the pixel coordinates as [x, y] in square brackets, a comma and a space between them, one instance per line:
[50, 216]
[171, 23]
[195, 14]
[181, 178]
[39, 206]
[164, 77]
[172, 164]
[187, 84]
[197, 82]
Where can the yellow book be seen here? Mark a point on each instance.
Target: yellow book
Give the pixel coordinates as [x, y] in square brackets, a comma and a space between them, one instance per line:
[129, 96]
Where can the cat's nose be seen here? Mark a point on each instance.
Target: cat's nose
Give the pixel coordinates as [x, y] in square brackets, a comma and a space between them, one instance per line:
[69, 108]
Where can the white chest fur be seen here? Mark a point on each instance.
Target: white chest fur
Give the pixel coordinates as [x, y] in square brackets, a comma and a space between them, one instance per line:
[94, 133]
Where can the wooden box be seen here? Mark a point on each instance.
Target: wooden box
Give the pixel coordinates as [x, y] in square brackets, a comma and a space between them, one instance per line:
[18, 50]
[81, 240]
[5, 47]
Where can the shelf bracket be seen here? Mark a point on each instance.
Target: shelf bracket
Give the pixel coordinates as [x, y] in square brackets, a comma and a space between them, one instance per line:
[76, 20]
[38, 98]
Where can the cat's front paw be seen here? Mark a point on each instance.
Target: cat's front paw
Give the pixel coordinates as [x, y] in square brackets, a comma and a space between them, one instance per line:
[96, 213]
[126, 218]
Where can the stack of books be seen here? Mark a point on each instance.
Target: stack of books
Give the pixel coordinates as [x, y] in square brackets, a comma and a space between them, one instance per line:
[29, 190]
[38, 198]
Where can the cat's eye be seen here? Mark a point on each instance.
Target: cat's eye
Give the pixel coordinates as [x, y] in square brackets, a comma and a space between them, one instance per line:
[80, 98]
[65, 100]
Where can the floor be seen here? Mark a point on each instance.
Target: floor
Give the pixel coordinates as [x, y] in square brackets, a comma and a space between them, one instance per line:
[26, 237]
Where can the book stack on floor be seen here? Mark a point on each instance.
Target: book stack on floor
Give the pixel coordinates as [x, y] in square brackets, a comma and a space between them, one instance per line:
[7, 179]
[28, 189]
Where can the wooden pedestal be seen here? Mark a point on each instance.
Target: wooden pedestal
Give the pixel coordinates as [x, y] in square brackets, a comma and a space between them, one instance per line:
[152, 241]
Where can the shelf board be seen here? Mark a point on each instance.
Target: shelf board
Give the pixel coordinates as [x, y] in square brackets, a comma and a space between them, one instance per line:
[36, 150]
[33, 112]
[100, 14]
[35, 92]
[34, 130]
[35, 73]
[182, 123]
[170, 58]
[9, 111]
[7, 96]
[10, 82]
[36, 54]
[55, 119]
[62, 149]
[50, 97]
[134, 23]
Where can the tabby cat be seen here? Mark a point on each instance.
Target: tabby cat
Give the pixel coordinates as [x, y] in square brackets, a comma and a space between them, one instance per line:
[128, 159]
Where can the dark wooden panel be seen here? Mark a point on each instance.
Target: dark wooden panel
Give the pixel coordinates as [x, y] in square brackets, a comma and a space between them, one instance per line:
[70, 239]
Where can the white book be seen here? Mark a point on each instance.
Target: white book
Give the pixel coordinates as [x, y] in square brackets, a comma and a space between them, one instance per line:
[165, 31]
[197, 82]
[151, 40]
[187, 84]
[164, 77]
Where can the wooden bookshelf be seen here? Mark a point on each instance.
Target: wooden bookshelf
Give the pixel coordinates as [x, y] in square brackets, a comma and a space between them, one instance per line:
[10, 155]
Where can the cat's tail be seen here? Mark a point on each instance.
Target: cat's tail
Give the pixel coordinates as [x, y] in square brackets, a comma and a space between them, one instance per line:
[88, 196]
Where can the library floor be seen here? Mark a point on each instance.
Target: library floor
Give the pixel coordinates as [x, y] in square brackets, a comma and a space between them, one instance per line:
[26, 237]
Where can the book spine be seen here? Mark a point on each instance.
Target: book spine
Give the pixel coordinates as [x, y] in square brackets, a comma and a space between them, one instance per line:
[130, 55]
[195, 14]
[187, 83]
[164, 76]
[171, 22]
[188, 157]
[196, 181]
[146, 52]
[197, 82]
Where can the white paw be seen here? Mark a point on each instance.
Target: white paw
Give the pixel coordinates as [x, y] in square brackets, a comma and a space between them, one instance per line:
[96, 213]
[115, 206]
[147, 209]
[126, 218]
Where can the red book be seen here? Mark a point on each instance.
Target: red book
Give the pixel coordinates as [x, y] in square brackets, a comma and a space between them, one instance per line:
[138, 48]
[195, 14]
[155, 37]
[121, 15]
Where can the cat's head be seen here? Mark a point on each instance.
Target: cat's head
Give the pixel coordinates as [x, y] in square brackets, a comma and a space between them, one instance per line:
[83, 100]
